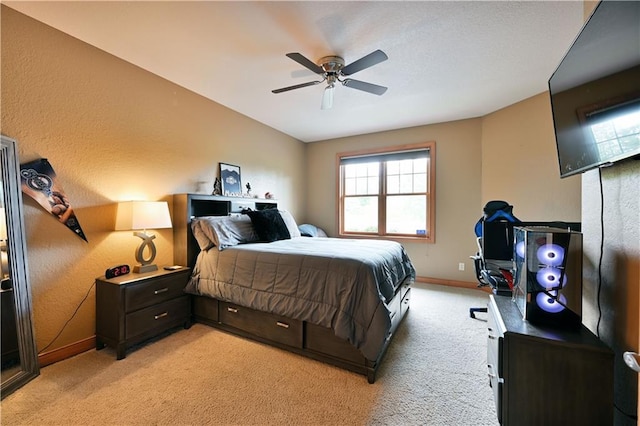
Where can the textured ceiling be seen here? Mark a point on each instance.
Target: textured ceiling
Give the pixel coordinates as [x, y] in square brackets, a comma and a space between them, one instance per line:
[447, 60]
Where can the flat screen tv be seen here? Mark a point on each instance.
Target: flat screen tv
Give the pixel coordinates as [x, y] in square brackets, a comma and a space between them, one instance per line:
[595, 91]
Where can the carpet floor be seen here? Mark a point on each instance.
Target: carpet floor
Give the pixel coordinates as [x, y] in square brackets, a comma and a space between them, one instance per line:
[434, 373]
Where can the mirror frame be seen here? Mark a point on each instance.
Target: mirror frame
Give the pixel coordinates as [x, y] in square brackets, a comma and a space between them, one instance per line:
[29, 367]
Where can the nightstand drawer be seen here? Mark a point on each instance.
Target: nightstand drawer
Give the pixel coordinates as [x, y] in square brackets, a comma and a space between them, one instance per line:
[164, 315]
[272, 327]
[152, 292]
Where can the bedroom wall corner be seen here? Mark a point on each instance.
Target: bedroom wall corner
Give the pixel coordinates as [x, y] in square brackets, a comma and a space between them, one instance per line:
[115, 132]
[519, 163]
[458, 177]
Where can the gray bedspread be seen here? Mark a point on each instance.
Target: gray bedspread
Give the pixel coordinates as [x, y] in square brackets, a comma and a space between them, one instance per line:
[343, 284]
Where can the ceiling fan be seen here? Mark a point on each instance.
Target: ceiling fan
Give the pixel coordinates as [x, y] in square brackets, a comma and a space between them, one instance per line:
[332, 69]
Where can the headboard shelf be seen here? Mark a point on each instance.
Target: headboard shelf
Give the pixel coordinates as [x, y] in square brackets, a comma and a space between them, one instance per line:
[188, 206]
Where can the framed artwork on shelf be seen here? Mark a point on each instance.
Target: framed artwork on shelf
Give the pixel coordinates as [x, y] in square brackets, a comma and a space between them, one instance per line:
[230, 180]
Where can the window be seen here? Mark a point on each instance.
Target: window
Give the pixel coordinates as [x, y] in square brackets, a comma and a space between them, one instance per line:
[388, 192]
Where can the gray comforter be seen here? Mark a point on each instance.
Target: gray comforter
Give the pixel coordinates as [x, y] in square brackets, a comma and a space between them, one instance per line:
[343, 284]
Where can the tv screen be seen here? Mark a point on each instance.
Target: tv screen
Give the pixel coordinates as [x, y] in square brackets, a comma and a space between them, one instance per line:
[595, 91]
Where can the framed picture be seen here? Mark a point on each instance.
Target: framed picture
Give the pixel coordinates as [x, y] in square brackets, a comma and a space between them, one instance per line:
[230, 180]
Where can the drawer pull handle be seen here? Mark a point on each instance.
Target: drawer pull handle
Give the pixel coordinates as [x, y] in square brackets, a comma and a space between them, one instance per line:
[494, 376]
[162, 290]
[162, 315]
[282, 324]
[233, 310]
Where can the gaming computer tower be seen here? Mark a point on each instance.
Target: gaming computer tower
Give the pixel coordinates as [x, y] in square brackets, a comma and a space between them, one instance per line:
[547, 282]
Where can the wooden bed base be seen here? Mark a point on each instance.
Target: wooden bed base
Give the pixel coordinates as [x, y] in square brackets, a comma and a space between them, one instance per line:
[297, 336]
[293, 335]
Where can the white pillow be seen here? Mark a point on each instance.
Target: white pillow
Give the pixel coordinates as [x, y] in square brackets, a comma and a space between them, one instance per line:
[292, 226]
[223, 231]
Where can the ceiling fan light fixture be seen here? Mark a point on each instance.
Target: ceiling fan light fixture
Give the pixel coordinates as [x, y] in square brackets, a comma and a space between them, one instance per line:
[331, 68]
[327, 97]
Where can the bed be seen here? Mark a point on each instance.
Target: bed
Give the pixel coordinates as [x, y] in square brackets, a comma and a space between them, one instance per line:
[338, 301]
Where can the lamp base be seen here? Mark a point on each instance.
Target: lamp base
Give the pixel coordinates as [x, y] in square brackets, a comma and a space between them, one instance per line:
[140, 269]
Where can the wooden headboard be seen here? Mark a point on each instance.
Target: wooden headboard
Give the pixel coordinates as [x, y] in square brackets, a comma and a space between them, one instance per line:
[188, 206]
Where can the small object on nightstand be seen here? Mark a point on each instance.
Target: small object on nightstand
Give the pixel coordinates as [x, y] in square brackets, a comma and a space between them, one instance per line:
[116, 271]
[172, 267]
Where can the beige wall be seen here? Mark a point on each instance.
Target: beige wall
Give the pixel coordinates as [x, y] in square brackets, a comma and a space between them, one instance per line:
[519, 163]
[115, 132]
[457, 191]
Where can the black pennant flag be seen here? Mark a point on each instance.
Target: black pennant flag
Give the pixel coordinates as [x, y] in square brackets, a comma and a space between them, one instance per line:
[40, 183]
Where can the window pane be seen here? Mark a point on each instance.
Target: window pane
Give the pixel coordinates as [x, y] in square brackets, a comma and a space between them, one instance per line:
[349, 186]
[349, 171]
[361, 214]
[361, 179]
[393, 167]
[406, 166]
[373, 185]
[406, 214]
[420, 182]
[406, 183]
[361, 186]
[393, 184]
[420, 165]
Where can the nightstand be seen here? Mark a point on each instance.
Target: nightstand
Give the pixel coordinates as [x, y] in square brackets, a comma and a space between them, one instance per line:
[135, 307]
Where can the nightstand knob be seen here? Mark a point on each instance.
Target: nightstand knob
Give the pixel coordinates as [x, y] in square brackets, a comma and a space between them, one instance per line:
[162, 290]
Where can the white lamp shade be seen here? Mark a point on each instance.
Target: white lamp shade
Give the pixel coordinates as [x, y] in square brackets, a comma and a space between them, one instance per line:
[134, 215]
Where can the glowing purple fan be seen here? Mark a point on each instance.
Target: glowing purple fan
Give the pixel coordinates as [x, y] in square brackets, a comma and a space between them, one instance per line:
[549, 304]
[520, 249]
[551, 254]
[549, 278]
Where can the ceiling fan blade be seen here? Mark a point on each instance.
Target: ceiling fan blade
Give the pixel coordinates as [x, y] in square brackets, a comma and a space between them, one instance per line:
[327, 97]
[370, 60]
[366, 87]
[297, 86]
[305, 62]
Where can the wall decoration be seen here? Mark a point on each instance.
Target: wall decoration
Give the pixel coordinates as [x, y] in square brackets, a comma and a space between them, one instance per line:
[230, 179]
[38, 180]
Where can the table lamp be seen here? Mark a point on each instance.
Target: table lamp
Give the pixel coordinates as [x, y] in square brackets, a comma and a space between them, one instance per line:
[143, 215]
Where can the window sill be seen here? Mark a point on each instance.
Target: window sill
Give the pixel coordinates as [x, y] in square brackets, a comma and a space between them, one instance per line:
[398, 238]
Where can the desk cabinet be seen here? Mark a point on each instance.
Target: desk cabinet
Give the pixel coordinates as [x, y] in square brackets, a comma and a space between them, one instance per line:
[546, 376]
[136, 307]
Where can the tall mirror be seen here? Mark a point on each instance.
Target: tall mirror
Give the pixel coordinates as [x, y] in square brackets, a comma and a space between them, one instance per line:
[19, 357]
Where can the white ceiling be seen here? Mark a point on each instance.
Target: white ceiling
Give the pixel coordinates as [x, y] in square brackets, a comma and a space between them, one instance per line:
[448, 60]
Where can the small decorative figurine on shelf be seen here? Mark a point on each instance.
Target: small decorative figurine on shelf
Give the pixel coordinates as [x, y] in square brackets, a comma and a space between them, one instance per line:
[217, 187]
[248, 186]
[269, 196]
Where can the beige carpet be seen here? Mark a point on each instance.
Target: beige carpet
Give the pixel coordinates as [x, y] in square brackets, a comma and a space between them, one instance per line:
[434, 374]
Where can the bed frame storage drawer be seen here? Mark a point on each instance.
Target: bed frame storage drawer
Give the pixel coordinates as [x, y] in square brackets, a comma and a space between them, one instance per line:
[323, 340]
[271, 327]
[205, 310]
[398, 307]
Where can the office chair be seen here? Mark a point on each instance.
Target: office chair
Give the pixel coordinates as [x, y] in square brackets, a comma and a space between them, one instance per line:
[493, 262]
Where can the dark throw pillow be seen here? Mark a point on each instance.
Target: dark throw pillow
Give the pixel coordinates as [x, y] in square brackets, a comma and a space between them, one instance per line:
[269, 225]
